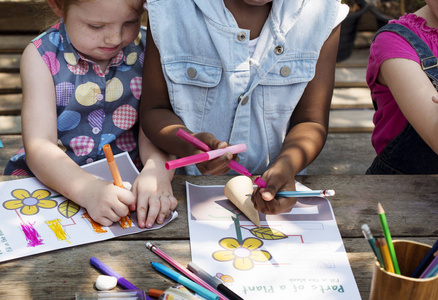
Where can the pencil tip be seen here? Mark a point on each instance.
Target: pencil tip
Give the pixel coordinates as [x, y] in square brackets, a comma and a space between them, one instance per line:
[380, 208]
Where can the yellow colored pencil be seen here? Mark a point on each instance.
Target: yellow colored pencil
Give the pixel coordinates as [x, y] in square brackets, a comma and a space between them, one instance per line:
[388, 238]
[386, 256]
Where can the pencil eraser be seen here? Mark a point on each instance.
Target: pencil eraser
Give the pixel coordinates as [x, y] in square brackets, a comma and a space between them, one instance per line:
[105, 282]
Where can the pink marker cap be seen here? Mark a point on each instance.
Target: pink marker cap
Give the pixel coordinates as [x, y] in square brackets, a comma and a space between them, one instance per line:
[260, 182]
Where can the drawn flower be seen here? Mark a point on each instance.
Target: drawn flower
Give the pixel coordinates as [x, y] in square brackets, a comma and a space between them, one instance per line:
[242, 254]
[28, 203]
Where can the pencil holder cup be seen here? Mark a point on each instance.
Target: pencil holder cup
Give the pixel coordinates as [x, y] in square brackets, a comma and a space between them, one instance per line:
[386, 285]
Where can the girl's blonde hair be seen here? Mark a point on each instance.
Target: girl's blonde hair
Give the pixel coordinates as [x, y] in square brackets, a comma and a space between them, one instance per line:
[57, 8]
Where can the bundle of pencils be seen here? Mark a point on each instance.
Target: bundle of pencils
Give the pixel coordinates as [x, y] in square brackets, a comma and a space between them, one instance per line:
[384, 251]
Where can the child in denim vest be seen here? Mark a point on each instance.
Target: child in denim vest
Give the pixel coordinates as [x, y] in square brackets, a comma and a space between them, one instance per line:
[245, 71]
[81, 90]
[406, 120]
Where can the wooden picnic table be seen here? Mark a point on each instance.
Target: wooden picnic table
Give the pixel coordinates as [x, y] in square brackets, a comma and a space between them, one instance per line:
[410, 201]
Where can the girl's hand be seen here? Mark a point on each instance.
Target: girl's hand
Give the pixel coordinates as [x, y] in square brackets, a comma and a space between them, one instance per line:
[106, 203]
[218, 166]
[155, 200]
[278, 177]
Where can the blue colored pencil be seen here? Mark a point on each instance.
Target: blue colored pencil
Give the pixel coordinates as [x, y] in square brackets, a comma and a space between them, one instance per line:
[430, 268]
[316, 193]
[426, 261]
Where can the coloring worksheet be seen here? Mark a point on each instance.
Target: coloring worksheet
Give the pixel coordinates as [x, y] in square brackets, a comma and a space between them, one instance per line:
[297, 255]
[35, 219]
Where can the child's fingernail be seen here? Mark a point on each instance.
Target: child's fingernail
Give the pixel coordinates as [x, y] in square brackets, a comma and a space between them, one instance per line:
[149, 225]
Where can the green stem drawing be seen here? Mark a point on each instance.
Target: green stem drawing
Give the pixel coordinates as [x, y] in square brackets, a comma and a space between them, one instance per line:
[238, 231]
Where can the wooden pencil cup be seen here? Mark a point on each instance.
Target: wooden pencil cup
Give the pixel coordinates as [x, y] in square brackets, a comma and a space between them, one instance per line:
[386, 285]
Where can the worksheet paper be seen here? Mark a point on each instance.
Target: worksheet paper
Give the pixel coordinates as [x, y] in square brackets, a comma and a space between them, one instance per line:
[35, 219]
[298, 255]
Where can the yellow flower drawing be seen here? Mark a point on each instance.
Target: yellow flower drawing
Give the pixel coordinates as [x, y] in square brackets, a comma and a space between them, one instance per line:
[28, 203]
[243, 254]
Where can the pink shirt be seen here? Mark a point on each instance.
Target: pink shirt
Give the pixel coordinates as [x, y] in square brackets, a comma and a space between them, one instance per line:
[389, 121]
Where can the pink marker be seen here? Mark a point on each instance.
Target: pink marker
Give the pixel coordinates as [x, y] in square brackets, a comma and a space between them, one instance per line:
[192, 140]
[204, 147]
[197, 158]
[260, 182]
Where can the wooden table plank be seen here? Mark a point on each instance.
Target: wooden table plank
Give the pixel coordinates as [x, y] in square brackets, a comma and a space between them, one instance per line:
[23, 15]
[10, 63]
[344, 154]
[351, 98]
[59, 274]
[10, 83]
[15, 43]
[10, 125]
[350, 77]
[351, 120]
[10, 104]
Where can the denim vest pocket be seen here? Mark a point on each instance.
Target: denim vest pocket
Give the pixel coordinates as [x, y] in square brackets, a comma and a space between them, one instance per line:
[290, 71]
[193, 74]
[192, 88]
[283, 86]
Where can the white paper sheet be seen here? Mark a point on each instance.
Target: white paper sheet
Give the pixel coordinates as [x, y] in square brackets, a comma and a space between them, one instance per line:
[299, 255]
[35, 219]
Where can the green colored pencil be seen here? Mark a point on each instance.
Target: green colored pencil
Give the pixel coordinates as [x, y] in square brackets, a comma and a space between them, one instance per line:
[388, 238]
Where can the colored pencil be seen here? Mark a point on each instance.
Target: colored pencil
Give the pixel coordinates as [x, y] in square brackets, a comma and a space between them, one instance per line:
[433, 272]
[213, 281]
[185, 281]
[388, 238]
[183, 270]
[316, 193]
[428, 271]
[379, 253]
[369, 237]
[426, 261]
[386, 256]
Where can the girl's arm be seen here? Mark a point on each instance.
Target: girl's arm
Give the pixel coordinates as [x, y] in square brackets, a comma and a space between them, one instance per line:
[160, 123]
[105, 202]
[307, 134]
[413, 91]
[152, 188]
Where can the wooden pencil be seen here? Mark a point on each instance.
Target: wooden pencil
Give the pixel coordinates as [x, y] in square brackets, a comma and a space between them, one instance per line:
[379, 253]
[388, 238]
[386, 256]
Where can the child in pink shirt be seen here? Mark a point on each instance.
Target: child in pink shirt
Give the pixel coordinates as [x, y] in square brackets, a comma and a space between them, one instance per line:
[406, 120]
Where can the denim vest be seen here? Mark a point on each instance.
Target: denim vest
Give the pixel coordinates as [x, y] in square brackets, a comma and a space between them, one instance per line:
[213, 84]
[407, 153]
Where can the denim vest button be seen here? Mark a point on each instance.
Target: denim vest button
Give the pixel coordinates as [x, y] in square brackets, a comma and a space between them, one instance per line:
[241, 36]
[243, 100]
[278, 50]
[285, 71]
[191, 72]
